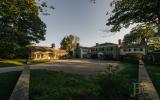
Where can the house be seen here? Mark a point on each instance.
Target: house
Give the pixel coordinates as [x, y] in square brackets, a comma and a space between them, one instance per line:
[106, 50]
[60, 53]
[126, 49]
[84, 52]
[43, 53]
[101, 51]
[46, 53]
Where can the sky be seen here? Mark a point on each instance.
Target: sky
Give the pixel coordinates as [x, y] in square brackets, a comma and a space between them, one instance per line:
[81, 18]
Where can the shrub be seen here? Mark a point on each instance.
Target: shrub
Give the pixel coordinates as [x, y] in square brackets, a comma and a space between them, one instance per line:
[94, 56]
[114, 87]
[108, 57]
[133, 57]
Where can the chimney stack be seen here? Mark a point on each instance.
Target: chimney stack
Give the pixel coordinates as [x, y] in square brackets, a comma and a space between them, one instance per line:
[97, 44]
[52, 45]
[120, 42]
[77, 45]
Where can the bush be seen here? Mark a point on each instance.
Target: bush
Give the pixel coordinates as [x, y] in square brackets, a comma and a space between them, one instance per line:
[108, 57]
[114, 87]
[133, 57]
[94, 56]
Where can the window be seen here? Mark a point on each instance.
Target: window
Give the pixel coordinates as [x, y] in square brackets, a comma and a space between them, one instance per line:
[111, 48]
[141, 49]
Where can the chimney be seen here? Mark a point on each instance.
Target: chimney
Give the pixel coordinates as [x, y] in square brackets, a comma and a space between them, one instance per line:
[120, 42]
[97, 44]
[77, 45]
[52, 45]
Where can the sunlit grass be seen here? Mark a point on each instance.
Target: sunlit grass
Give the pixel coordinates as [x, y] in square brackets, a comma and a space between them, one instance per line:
[12, 62]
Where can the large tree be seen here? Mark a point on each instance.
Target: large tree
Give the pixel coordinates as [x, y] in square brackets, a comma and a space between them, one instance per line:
[127, 12]
[140, 34]
[20, 25]
[69, 42]
[144, 34]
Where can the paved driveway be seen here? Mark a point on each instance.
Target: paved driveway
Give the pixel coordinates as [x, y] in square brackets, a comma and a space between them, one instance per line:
[84, 67]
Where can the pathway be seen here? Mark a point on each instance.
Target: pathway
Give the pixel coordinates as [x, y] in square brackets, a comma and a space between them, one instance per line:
[146, 81]
[21, 90]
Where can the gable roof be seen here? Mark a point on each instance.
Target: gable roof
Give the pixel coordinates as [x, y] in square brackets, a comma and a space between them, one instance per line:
[133, 46]
[105, 44]
[61, 51]
[42, 49]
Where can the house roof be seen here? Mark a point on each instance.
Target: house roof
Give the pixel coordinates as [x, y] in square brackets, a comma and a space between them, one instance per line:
[105, 44]
[42, 49]
[85, 47]
[61, 51]
[133, 46]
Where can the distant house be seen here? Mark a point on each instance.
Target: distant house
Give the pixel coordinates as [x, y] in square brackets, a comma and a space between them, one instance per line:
[100, 50]
[105, 50]
[84, 52]
[42, 53]
[126, 49]
[46, 53]
[60, 53]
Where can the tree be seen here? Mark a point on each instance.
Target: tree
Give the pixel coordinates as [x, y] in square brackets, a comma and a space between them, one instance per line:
[127, 12]
[140, 34]
[69, 42]
[20, 25]
[143, 34]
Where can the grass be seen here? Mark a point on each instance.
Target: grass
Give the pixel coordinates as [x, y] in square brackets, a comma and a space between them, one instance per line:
[18, 62]
[7, 83]
[39, 61]
[154, 73]
[130, 71]
[48, 85]
[12, 62]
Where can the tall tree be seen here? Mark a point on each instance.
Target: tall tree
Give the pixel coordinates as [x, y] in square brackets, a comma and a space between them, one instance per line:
[19, 24]
[140, 34]
[143, 35]
[69, 42]
[127, 12]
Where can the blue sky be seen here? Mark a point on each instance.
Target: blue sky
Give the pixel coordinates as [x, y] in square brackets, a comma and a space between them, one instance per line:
[80, 18]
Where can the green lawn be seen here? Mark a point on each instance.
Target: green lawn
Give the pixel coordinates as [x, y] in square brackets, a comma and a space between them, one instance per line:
[154, 72]
[130, 71]
[13, 62]
[7, 83]
[39, 61]
[18, 62]
[49, 85]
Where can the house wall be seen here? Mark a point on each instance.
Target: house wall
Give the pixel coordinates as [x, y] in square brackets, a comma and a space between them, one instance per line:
[43, 55]
[124, 51]
[107, 50]
[85, 53]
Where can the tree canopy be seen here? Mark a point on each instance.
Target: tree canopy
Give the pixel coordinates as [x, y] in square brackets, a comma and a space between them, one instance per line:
[127, 12]
[69, 42]
[20, 24]
[144, 34]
